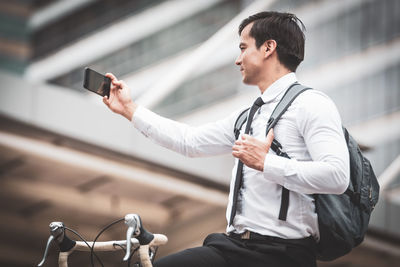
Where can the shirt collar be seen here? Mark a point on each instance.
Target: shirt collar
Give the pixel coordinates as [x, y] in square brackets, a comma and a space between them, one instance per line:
[278, 87]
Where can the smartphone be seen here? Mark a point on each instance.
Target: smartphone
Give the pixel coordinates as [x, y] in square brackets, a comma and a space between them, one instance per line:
[96, 82]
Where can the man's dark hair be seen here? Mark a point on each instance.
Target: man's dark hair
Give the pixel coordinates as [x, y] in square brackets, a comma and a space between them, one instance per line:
[285, 29]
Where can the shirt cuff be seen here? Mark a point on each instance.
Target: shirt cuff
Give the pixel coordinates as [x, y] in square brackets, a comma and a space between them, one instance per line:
[274, 168]
[140, 120]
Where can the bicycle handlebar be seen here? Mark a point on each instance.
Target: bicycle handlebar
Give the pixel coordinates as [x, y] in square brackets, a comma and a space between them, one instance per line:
[136, 234]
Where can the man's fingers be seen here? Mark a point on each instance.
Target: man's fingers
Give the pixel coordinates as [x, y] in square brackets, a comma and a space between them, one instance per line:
[111, 76]
[119, 83]
[248, 139]
[245, 138]
[235, 148]
[238, 142]
[115, 81]
[106, 101]
[236, 153]
[122, 83]
[270, 137]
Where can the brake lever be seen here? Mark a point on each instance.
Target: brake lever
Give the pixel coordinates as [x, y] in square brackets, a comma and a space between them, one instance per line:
[57, 232]
[133, 222]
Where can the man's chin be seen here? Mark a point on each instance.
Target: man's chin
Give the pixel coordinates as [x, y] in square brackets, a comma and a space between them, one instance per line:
[246, 81]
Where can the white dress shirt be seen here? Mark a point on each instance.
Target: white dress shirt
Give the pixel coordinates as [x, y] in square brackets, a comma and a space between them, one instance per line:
[311, 134]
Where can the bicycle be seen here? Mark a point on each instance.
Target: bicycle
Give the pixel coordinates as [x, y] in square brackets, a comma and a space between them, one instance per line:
[143, 245]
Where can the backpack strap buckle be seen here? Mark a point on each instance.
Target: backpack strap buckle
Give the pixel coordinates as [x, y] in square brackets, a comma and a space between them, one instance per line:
[355, 197]
[277, 148]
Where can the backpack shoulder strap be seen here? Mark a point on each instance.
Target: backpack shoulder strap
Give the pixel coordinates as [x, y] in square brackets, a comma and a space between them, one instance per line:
[287, 99]
[241, 119]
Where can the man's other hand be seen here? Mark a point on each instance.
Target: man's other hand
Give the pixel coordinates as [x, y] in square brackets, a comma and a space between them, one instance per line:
[252, 151]
[120, 100]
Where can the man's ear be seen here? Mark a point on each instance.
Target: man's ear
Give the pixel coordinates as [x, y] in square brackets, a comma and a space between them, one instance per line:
[269, 47]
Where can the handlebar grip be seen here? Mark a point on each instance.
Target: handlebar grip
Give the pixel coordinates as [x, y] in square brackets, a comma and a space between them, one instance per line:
[63, 259]
[158, 240]
[144, 256]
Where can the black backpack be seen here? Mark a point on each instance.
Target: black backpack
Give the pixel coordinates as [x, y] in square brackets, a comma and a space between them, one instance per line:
[342, 219]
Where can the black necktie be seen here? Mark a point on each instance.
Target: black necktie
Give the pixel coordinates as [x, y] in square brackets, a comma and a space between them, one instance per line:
[239, 174]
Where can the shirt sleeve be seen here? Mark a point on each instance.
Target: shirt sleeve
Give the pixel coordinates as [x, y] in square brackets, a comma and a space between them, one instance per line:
[319, 124]
[209, 139]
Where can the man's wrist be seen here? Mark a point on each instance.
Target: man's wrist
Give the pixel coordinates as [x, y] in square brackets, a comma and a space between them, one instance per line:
[130, 110]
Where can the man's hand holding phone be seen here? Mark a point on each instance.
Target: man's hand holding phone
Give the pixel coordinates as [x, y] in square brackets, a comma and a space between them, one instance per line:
[120, 100]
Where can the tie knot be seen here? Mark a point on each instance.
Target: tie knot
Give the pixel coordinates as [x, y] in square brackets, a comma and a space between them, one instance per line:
[259, 102]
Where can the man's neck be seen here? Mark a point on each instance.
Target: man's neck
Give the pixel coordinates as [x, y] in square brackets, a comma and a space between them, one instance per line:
[270, 79]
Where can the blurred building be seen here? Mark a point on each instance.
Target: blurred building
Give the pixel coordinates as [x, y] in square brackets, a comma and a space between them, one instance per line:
[66, 157]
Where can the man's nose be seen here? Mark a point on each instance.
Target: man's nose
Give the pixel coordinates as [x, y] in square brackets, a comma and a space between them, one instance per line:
[238, 60]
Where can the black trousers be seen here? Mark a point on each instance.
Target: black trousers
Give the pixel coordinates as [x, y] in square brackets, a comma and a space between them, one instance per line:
[221, 250]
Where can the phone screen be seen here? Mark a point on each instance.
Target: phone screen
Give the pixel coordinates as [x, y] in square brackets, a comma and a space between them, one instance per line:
[97, 82]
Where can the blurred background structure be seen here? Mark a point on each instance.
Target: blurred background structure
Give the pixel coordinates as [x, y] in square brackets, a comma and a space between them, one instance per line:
[65, 157]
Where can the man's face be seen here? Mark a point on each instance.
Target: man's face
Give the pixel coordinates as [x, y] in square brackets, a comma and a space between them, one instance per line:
[250, 59]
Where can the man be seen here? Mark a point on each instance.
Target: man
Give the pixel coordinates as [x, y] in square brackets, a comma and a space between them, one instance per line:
[272, 46]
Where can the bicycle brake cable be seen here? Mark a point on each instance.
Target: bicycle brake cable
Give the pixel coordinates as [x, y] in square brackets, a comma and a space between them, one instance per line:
[87, 244]
[130, 257]
[98, 235]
